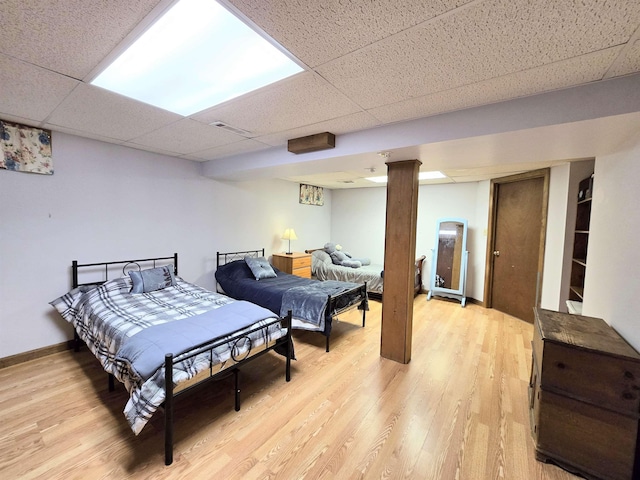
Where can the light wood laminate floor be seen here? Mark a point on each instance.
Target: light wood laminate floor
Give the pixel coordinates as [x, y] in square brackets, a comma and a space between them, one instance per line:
[458, 410]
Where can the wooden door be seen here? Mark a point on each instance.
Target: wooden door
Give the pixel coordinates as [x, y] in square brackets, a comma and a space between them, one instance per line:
[515, 258]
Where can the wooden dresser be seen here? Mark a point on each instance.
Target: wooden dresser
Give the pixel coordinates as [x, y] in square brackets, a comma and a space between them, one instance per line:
[584, 396]
[295, 263]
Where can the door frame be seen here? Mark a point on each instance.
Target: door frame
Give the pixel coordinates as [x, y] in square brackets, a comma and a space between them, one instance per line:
[543, 173]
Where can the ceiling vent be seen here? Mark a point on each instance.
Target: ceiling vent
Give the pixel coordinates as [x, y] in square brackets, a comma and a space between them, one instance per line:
[236, 130]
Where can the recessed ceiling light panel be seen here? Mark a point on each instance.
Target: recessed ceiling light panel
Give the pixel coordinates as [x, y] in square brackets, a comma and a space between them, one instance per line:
[197, 55]
[421, 176]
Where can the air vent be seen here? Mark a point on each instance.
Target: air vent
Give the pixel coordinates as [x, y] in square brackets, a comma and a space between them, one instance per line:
[229, 128]
[346, 181]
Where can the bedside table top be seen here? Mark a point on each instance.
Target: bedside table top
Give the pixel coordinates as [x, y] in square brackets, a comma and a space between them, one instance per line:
[292, 255]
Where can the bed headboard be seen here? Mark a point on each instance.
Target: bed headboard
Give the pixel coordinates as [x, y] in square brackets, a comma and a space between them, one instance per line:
[222, 258]
[108, 267]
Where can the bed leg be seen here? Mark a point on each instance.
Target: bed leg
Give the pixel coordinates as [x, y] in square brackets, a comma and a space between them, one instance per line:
[327, 349]
[168, 409]
[76, 341]
[236, 378]
[112, 386]
[365, 304]
[289, 347]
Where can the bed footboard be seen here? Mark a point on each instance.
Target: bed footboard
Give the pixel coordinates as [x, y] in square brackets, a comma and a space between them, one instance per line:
[283, 344]
[347, 300]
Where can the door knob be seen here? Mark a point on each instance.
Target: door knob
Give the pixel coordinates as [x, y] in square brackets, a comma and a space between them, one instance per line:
[496, 253]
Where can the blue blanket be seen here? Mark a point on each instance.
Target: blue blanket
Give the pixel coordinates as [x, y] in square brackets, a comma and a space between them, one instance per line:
[144, 352]
[309, 302]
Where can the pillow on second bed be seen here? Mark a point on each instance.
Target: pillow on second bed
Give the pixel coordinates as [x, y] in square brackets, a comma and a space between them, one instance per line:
[152, 279]
[260, 267]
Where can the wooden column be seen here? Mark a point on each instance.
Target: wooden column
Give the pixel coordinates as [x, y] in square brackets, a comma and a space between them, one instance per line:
[399, 260]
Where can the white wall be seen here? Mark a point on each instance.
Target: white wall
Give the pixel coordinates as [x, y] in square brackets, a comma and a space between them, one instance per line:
[612, 281]
[358, 222]
[554, 251]
[358, 219]
[478, 242]
[107, 202]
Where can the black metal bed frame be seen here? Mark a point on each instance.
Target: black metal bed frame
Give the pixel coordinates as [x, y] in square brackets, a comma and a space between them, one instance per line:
[333, 301]
[170, 361]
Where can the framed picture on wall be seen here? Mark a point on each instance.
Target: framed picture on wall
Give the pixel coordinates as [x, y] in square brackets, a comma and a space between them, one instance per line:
[311, 195]
[25, 149]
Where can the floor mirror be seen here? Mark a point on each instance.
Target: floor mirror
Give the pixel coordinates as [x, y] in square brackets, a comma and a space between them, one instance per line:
[449, 265]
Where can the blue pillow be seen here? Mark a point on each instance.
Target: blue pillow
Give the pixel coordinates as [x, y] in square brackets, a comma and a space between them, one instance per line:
[260, 267]
[152, 279]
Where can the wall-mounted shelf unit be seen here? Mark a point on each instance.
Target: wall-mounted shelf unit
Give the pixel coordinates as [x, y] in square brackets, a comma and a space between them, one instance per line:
[580, 243]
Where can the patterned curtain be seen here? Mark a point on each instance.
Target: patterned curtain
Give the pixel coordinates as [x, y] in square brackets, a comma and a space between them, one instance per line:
[25, 149]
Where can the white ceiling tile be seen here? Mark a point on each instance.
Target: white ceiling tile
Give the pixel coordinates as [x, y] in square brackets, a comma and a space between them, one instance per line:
[629, 61]
[486, 40]
[100, 112]
[187, 136]
[243, 146]
[374, 62]
[153, 149]
[337, 126]
[82, 133]
[574, 71]
[71, 36]
[29, 91]
[302, 99]
[316, 32]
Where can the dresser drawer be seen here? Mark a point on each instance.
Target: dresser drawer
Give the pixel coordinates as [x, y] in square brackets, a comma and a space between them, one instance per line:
[602, 380]
[301, 262]
[583, 437]
[302, 272]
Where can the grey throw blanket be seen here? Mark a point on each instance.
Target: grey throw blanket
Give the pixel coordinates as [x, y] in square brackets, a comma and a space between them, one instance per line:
[145, 351]
[309, 302]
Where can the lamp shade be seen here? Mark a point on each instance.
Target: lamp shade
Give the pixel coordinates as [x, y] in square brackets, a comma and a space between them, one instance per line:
[289, 234]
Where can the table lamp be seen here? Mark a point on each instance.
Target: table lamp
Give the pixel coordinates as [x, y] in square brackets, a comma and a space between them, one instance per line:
[289, 234]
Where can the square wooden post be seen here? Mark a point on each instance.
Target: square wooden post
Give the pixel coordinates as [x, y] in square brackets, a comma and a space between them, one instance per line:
[399, 260]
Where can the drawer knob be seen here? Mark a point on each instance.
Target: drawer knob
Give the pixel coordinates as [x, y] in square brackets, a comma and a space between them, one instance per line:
[628, 396]
[628, 374]
[560, 365]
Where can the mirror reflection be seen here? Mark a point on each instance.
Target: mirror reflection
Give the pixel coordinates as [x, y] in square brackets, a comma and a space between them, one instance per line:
[449, 255]
[449, 264]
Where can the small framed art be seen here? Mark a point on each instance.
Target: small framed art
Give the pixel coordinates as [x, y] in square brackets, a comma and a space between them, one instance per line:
[311, 195]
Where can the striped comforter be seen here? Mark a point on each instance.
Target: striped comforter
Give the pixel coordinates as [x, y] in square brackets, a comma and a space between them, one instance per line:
[106, 316]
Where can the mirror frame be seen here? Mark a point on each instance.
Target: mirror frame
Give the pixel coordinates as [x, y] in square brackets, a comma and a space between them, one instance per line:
[459, 293]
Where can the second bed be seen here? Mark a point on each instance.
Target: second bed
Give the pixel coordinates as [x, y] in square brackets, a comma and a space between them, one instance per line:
[313, 304]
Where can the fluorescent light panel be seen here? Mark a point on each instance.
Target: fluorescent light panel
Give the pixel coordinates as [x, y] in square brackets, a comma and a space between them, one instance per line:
[421, 176]
[195, 56]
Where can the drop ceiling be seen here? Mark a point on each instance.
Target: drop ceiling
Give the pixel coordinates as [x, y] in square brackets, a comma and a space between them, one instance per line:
[371, 69]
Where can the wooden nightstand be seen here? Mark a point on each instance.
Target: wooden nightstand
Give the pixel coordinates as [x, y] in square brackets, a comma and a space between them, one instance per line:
[295, 263]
